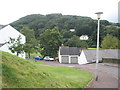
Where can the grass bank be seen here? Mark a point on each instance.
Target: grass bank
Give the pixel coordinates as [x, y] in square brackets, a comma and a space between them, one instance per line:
[21, 73]
[92, 48]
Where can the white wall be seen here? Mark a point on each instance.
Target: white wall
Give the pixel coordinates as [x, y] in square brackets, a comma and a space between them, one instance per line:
[82, 59]
[6, 49]
[5, 35]
[59, 56]
[8, 32]
[69, 59]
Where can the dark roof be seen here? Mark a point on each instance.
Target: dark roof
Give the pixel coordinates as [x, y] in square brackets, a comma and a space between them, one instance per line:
[91, 55]
[110, 53]
[1, 44]
[2, 26]
[64, 50]
[103, 53]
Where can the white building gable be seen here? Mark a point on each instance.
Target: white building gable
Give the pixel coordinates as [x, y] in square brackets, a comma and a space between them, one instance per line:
[5, 33]
[82, 58]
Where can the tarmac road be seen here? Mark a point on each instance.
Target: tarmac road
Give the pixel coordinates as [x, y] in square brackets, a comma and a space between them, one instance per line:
[107, 74]
[113, 70]
[110, 69]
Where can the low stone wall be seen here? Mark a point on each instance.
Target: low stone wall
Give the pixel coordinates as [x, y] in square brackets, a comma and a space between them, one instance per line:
[111, 60]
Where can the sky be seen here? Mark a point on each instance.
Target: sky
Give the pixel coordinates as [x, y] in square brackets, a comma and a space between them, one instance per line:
[12, 10]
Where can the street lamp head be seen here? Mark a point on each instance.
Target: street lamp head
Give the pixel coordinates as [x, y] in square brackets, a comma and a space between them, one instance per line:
[99, 14]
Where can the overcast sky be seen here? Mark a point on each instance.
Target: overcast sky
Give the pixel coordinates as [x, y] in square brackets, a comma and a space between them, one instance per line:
[12, 10]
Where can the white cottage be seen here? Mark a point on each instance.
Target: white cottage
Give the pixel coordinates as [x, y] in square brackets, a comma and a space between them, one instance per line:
[7, 31]
[70, 55]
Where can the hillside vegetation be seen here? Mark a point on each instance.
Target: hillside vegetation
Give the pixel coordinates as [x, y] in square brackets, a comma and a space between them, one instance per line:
[21, 73]
[45, 33]
[82, 25]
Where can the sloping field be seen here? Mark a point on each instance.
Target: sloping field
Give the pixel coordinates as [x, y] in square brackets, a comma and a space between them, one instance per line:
[21, 73]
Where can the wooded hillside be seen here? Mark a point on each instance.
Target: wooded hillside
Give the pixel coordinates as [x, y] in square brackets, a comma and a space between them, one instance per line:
[82, 25]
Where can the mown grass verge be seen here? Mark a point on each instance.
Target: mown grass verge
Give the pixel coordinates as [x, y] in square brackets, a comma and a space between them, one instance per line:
[21, 73]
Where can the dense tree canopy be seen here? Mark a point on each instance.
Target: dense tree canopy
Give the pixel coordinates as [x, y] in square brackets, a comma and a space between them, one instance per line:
[42, 28]
[76, 42]
[82, 25]
[32, 44]
[50, 41]
[110, 42]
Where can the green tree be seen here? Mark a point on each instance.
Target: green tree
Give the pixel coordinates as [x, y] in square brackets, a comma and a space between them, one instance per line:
[76, 42]
[15, 45]
[82, 25]
[50, 41]
[32, 43]
[29, 33]
[110, 42]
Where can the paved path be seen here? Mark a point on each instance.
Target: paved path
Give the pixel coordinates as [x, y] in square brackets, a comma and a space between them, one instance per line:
[107, 75]
[105, 79]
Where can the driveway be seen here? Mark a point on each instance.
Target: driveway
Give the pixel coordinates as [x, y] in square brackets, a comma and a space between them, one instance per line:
[107, 75]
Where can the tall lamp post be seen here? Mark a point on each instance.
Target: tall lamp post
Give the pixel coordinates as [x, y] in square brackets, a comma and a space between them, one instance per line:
[97, 50]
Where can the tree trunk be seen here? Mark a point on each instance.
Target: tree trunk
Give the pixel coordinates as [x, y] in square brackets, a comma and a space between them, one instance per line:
[29, 54]
[17, 54]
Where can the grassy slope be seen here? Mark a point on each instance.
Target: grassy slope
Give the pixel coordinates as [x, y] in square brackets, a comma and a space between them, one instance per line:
[21, 73]
[92, 48]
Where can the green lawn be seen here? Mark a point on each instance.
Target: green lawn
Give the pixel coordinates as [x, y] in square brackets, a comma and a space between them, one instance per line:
[92, 48]
[21, 73]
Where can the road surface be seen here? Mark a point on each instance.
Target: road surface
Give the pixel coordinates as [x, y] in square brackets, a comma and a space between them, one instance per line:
[107, 75]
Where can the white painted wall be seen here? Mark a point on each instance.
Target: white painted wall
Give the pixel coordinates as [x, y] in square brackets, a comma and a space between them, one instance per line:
[5, 35]
[8, 32]
[69, 59]
[82, 59]
[59, 56]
